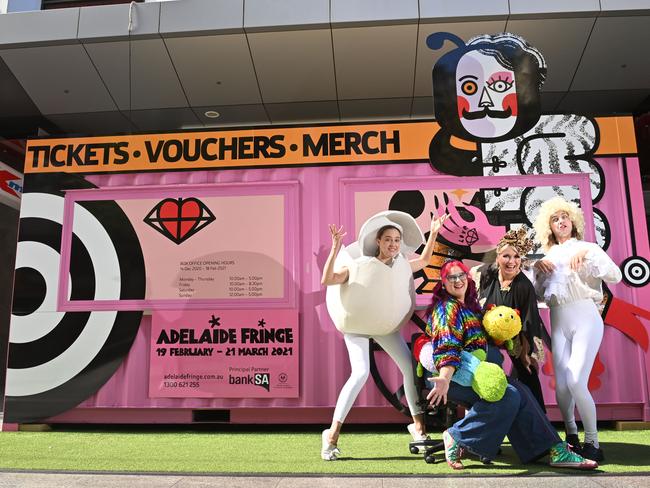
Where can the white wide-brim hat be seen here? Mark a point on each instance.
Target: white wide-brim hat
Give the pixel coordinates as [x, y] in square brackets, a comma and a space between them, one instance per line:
[412, 236]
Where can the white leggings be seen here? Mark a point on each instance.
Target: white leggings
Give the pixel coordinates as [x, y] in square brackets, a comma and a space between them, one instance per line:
[576, 333]
[358, 351]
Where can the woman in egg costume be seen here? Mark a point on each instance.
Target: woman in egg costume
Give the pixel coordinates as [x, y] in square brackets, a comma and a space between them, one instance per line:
[371, 295]
[570, 280]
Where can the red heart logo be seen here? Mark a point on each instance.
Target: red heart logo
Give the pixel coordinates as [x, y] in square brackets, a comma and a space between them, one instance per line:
[179, 217]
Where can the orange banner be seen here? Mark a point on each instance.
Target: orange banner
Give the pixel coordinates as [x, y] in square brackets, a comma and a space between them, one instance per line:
[340, 144]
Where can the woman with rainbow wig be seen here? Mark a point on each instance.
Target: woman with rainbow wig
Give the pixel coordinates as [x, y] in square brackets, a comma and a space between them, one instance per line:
[455, 326]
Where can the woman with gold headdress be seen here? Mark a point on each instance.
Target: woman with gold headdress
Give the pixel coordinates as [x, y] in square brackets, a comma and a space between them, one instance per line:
[504, 283]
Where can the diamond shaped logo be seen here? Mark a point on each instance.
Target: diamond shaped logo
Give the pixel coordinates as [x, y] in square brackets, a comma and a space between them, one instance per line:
[178, 219]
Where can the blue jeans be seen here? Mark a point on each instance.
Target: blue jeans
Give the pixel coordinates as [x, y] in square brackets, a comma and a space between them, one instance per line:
[517, 415]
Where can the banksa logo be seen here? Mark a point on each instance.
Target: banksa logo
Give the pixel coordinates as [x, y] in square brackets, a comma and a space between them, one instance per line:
[257, 379]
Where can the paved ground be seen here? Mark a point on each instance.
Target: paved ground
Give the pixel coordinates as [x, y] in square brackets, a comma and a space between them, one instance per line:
[58, 480]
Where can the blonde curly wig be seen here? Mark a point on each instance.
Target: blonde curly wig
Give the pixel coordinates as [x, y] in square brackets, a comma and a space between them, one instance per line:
[542, 225]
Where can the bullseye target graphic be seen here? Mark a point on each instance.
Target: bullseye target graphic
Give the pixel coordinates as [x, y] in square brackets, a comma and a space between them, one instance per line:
[636, 271]
[58, 359]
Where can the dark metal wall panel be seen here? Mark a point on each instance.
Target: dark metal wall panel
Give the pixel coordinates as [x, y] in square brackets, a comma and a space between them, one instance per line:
[59, 78]
[375, 62]
[294, 66]
[616, 57]
[562, 50]
[215, 70]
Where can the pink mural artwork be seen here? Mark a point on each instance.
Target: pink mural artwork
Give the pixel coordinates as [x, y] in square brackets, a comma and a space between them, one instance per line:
[289, 209]
[138, 268]
[476, 230]
[626, 318]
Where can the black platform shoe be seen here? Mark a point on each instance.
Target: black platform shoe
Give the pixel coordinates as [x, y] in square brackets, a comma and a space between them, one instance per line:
[574, 441]
[589, 451]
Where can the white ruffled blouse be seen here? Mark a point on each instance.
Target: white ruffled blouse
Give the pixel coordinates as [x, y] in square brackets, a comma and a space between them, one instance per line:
[566, 286]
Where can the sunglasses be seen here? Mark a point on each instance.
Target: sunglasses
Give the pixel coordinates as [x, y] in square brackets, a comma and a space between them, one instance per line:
[456, 277]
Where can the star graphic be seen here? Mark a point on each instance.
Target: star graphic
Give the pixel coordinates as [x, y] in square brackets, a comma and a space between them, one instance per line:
[261, 323]
[214, 321]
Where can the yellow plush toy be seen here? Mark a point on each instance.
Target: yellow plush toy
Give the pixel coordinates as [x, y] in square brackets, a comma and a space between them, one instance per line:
[502, 324]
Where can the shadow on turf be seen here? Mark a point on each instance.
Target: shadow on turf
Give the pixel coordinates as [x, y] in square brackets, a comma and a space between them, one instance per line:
[616, 453]
[387, 458]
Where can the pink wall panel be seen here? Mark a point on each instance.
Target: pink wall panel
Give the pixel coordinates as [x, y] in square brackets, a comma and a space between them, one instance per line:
[323, 359]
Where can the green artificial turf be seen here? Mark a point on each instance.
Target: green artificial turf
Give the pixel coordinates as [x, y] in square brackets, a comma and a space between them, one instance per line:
[268, 451]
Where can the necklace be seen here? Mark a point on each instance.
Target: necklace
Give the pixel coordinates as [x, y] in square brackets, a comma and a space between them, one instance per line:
[505, 284]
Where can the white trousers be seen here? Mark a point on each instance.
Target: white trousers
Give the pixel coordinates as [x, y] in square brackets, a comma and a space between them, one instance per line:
[358, 352]
[576, 334]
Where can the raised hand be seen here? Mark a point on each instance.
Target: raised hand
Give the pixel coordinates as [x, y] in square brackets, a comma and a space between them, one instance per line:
[436, 222]
[439, 393]
[545, 266]
[577, 259]
[337, 236]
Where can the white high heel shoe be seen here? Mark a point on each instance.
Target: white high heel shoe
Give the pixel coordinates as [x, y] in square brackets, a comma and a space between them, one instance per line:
[414, 433]
[328, 452]
[417, 437]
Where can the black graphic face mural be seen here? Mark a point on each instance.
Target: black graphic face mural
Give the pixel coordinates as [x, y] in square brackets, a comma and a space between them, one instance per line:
[487, 90]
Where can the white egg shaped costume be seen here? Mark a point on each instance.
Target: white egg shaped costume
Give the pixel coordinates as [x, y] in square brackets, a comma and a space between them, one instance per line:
[377, 299]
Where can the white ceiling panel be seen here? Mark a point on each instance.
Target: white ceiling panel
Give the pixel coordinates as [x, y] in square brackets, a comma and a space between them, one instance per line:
[553, 8]
[629, 6]
[467, 10]
[106, 22]
[215, 70]
[204, 16]
[562, 50]
[59, 79]
[616, 55]
[426, 58]
[282, 14]
[383, 108]
[294, 66]
[360, 12]
[153, 81]
[47, 27]
[375, 62]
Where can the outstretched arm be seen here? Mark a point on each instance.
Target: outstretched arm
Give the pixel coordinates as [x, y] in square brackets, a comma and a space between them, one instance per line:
[598, 263]
[329, 276]
[436, 223]
[441, 386]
